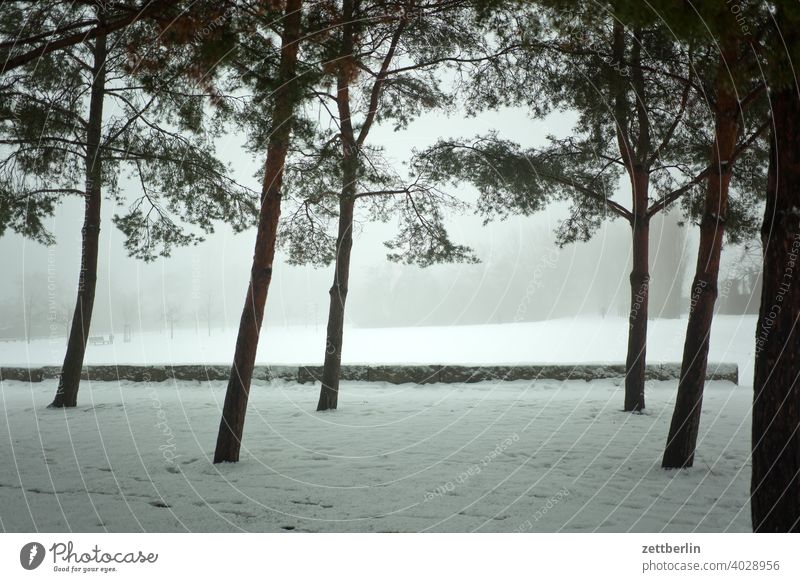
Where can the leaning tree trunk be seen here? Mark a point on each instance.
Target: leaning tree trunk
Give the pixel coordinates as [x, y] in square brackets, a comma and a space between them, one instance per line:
[775, 485]
[231, 428]
[69, 381]
[682, 439]
[329, 391]
[640, 284]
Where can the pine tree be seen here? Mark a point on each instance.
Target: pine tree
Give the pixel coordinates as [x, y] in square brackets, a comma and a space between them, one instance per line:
[384, 59]
[632, 87]
[62, 143]
[727, 121]
[32, 30]
[284, 100]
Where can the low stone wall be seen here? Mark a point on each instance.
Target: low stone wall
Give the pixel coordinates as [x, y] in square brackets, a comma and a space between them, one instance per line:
[393, 374]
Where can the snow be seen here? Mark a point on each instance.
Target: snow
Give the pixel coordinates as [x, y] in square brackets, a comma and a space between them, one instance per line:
[513, 456]
[493, 456]
[578, 340]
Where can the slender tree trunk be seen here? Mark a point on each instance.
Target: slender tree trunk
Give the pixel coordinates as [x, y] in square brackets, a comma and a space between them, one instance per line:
[775, 486]
[231, 426]
[682, 439]
[640, 284]
[329, 391]
[69, 381]
[634, 157]
[351, 146]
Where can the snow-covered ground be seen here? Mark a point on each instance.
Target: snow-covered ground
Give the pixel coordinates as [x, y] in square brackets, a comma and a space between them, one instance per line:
[579, 340]
[494, 456]
[513, 456]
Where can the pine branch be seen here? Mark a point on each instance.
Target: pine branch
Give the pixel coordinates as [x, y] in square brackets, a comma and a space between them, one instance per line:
[378, 84]
[668, 199]
[673, 126]
[104, 29]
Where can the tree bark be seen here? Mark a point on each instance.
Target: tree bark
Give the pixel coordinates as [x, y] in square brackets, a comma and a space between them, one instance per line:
[69, 380]
[634, 158]
[775, 485]
[682, 439]
[329, 390]
[640, 285]
[231, 426]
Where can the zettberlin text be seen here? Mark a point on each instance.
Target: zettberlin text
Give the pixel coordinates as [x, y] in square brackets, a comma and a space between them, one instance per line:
[671, 549]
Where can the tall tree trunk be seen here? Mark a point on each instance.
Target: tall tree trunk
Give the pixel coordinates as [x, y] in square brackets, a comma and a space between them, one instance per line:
[775, 486]
[69, 381]
[231, 426]
[640, 285]
[634, 158]
[329, 391]
[682, 439]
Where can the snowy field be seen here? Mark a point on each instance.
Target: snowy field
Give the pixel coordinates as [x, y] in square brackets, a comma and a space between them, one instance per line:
[508, 456]
[515, 456]
[578, 340]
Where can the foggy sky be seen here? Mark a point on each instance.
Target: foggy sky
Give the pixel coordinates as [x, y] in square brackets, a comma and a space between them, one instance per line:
[522, 276]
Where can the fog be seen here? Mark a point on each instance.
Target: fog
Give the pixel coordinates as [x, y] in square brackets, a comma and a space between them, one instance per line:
[522, 276]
